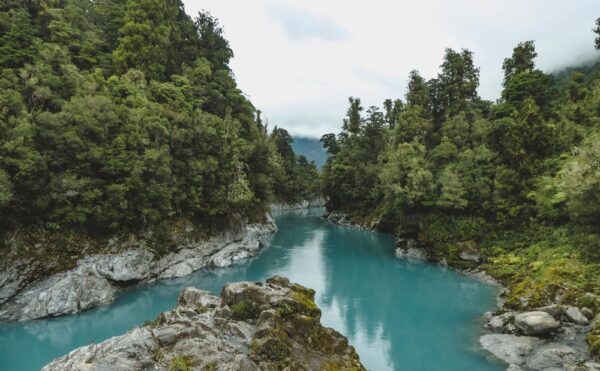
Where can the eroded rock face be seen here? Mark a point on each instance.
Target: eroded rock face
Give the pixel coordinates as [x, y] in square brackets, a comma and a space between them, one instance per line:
[554, 356]
[272, 325]
[97, 278]
[304, 204]
[343, 220]
[536, 323]
[411, 253]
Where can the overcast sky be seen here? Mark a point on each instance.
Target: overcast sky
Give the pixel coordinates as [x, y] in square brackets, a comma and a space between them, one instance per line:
[299, 60]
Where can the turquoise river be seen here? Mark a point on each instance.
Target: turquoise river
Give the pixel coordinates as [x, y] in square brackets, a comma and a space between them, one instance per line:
[399, 315]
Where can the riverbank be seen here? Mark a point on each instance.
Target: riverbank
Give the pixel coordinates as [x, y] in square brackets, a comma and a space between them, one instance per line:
[271, 325]
[534, 277]
[94, 279]
[304, 204]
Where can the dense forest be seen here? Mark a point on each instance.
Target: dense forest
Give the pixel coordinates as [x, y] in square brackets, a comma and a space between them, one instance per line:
[519, 176]
[117, 115]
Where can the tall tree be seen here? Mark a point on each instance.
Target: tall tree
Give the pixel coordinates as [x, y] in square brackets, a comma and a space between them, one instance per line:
[418, 92]
[458, 80]
[521, 61]
[213, 45]
[597, 32]
[353, 120]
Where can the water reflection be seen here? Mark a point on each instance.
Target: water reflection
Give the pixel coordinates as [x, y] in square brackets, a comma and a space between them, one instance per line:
[398, 315]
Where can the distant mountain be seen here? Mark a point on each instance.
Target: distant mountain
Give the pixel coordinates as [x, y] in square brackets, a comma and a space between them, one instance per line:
[312, 149]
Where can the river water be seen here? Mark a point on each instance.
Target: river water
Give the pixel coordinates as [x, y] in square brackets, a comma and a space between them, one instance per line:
[399, 315]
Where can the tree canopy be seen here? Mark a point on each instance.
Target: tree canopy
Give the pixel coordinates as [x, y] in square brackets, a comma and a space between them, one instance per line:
[117, 115]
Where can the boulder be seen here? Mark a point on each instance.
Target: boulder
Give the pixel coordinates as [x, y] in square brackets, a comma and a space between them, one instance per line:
[588, 313]
[469, 251]
[555, 310]
[574, 315]
[536, 323]
[509, 348]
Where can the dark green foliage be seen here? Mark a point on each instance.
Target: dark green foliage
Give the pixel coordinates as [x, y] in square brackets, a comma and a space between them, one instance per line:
[118, 115]
[18, 41]
[298, 179]
[522, 60]
[597, 32]
[449, 157]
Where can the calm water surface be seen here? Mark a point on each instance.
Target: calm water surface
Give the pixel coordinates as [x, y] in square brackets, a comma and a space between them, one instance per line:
[399, 315]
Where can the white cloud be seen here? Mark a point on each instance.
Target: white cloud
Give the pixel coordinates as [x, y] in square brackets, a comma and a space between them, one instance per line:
[300, 60]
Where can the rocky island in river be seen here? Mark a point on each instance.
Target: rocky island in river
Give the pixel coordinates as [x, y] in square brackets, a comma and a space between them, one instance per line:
[252, 326]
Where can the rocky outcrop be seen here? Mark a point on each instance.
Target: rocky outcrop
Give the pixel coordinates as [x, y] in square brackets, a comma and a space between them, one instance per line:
[97, 278]
[509, 348]
[545, 339]
[411, 253]
[304, 204]
[273, 325]
[344, 220]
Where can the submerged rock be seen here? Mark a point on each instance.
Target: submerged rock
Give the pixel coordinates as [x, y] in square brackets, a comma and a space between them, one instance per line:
[273, 325]
[97, 278]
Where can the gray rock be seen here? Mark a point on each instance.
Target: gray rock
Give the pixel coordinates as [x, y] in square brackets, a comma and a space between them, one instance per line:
[469, 251]
[553, 356]
[555, 310]
[414, 253]
[132, 351]
[206, 335]
[131, 265]
[65, 293]
[498, 323]
[14, 278]
[343, 220]
[588, 313]
[302, 205]
[509, 348]
[513, 368]
[575, 316]
[536, 323]
[591, 366]
[470, 256]
[97, 278]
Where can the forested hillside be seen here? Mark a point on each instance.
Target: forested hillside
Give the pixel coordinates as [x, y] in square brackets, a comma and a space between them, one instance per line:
[519, 177]
[116, 115]
[312, 149]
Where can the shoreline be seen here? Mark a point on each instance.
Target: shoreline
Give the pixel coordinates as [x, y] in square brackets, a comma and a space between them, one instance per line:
[562, 348]
[97, 279]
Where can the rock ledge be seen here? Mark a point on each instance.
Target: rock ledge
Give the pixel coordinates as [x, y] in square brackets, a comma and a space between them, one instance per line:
[272, 325]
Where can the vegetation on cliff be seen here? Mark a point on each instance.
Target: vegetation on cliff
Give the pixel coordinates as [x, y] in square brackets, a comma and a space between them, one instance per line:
[117, 115]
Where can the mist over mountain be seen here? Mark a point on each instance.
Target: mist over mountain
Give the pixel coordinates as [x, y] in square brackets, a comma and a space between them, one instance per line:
[312, 149]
